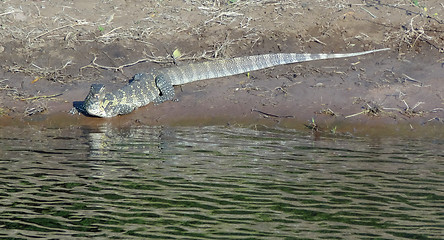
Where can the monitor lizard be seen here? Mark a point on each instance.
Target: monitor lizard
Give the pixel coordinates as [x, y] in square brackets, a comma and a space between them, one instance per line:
[157, 85]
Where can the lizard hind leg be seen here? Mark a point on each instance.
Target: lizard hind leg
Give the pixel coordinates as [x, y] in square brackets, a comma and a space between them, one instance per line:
[166, 89]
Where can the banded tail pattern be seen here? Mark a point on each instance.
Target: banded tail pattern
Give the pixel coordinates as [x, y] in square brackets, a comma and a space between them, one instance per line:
[222, 68]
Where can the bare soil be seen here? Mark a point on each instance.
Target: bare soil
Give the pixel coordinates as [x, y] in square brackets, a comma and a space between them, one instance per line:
[52, 51]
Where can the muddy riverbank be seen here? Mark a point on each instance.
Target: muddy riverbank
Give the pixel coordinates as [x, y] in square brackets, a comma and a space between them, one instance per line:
[51, 52]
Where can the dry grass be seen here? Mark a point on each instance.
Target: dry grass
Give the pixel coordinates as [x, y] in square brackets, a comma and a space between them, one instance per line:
[165, 20]
[47, 73]
[10, 91]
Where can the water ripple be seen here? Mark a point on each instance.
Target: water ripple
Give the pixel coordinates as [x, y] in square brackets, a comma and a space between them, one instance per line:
[216, 183]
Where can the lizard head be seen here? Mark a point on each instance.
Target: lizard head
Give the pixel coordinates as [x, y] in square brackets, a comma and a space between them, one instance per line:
[94, 104]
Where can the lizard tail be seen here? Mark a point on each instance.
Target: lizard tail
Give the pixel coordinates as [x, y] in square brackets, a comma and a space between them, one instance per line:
[222, 68]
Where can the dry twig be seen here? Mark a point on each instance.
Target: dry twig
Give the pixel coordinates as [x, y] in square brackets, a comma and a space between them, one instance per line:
[271, 115]
[41, 97]
[78, 23]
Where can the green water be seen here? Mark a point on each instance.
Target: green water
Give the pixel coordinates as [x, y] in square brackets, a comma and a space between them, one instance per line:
[217, 183]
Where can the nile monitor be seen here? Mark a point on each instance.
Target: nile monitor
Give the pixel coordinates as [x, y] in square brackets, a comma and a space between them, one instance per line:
[157, 85]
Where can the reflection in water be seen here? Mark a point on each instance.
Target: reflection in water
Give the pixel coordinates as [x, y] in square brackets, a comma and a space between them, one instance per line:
[213, 182]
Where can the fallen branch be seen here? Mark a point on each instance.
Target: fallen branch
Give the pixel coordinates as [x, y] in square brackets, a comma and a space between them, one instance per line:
[153, 59]
[40, 97]
[93, 64]
[10, 12]
[58, 28]
[371, 14]
[271, 115]
[356, 114]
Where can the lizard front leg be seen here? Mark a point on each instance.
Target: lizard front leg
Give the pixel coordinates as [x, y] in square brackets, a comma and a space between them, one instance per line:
[166, 89]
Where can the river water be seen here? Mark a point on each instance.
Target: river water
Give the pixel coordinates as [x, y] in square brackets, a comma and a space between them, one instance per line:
[217, 183]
